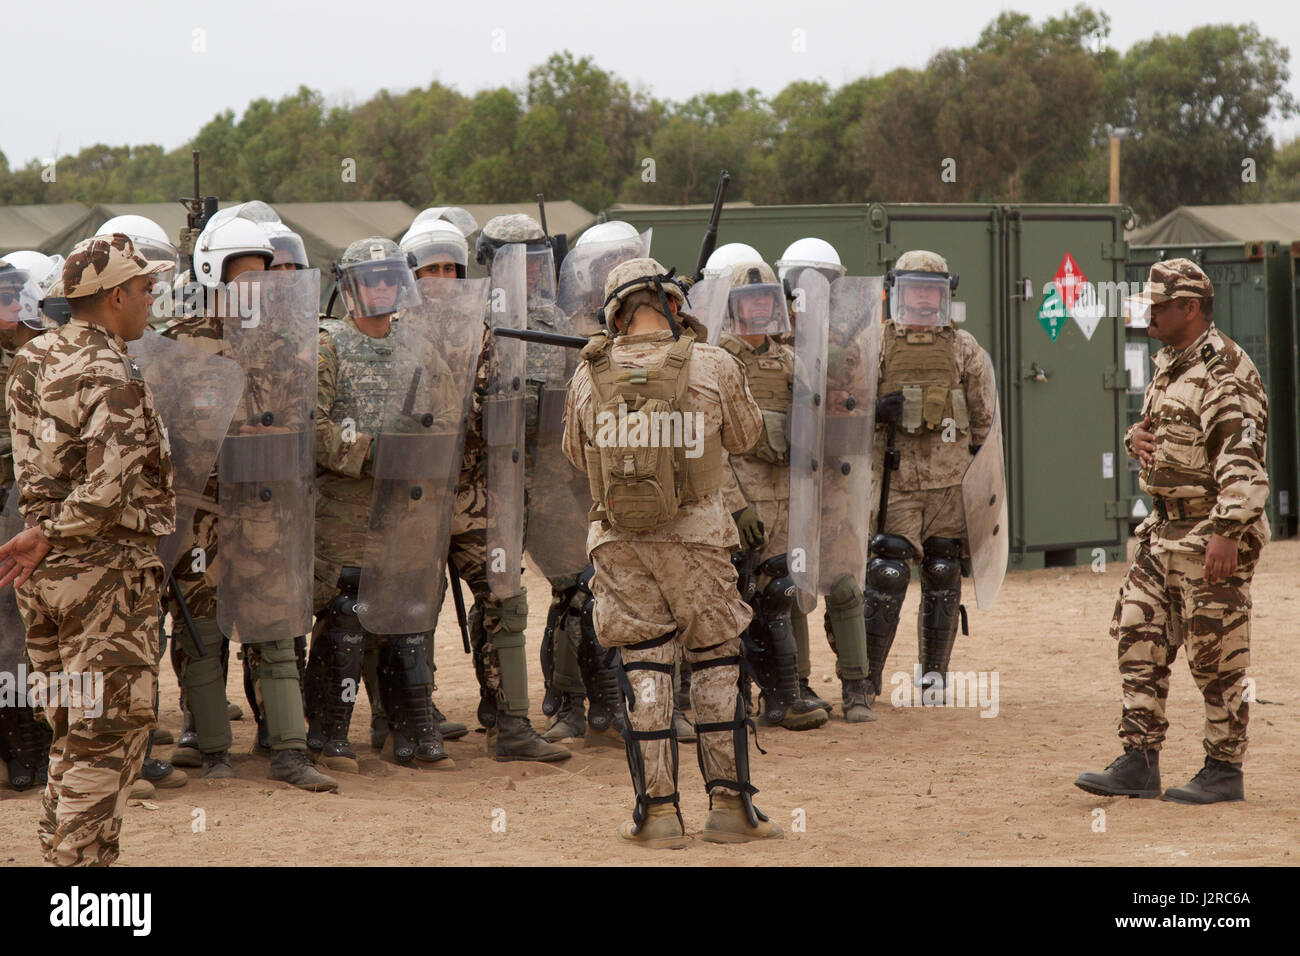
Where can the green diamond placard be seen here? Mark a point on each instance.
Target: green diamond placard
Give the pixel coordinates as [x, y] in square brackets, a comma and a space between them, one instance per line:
[1052, 314]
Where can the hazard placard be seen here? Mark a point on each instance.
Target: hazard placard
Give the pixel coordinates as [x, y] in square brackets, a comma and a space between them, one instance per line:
[1069, 280]
[1052, 314]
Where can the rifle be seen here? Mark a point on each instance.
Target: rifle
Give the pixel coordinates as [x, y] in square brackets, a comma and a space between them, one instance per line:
[559, 244]
[543, 338]
[711, 231]
[199, 209]
[459, 600]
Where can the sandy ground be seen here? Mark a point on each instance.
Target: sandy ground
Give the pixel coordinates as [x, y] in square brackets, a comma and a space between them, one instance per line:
[916, 787]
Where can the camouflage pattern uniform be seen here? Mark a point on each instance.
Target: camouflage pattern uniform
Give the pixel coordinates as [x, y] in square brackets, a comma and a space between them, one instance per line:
[1210, 416]
[100, 487]
[673, 586]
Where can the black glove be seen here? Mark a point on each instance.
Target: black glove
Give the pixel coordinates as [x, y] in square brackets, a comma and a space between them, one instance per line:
[889, 409]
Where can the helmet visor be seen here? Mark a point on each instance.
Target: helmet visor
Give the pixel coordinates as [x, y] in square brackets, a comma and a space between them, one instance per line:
[378, 287]
[758, 309]
[921, 299]
[432, 249]
[289, 250]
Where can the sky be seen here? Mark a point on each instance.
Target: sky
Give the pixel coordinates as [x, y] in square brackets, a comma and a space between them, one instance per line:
[83, 71]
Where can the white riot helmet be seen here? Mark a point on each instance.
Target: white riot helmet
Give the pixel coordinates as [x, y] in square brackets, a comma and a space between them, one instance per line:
[612, 231]
[288, 246]
[727, 257]
[42, 272]
[150, 241]
[221, 241]
[438, 234]
[810, 252]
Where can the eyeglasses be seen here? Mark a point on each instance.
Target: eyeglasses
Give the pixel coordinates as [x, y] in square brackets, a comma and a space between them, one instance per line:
[378, 279]
[7, 297]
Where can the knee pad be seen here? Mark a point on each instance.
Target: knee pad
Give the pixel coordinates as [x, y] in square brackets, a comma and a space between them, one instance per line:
[845, 594]
[205, 690]
[941, 563]
[888, 576]
[277, 672]
[405, 652]
[513, 612]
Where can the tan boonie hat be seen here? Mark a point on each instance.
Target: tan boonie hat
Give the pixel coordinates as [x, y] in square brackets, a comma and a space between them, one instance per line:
[105, 262]
[1174, 279]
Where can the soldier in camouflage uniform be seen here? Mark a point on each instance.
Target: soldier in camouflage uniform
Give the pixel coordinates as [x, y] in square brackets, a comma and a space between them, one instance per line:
[226, 250]
[355, 378]
[664, 577]
[1200, 446]
[757, 491]
[497, 624]
[95, 478]
[934, 386]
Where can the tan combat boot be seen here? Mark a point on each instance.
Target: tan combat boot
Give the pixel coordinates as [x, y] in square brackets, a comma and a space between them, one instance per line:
[727, 823]
[661, 830]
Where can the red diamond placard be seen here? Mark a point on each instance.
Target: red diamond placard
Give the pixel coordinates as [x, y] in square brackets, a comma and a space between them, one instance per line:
[1069, 280]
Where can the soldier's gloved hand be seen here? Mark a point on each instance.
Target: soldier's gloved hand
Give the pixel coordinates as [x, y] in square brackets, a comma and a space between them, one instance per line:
[889, 409]
[750, 528]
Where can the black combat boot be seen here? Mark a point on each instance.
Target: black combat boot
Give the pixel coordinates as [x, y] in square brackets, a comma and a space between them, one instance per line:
[1217, 782]
[27, 757]
[1134, 774]
[450, 729]
[570, 719]
[517, 740]
[855, 699]
[811, 699]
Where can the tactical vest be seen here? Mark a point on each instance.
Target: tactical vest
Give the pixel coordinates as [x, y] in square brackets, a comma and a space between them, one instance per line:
[770, 376]
[365, 366]
[638, 469]
[923, 365]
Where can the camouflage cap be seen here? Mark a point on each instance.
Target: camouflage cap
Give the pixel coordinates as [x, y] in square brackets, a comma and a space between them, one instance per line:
[516, 227]
[921, 260]
[751, 273]
[105, 262]
[626, 274]
[11, 275]
[374, 247]
[1175, 279]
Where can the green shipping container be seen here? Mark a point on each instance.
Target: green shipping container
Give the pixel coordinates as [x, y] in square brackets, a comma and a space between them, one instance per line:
[1062, 397]
[1255, 305]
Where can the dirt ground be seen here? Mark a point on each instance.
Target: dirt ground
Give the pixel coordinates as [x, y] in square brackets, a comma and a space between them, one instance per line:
[918, 786]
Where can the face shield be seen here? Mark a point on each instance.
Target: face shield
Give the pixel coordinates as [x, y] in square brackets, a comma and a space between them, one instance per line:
[758, 309]
[922, 299]
[289, 250]
[377, 287]
[156, 251]
[432, 249]
[13, 283]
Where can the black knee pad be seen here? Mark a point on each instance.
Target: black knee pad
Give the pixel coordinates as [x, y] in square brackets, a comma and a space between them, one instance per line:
[941, 564]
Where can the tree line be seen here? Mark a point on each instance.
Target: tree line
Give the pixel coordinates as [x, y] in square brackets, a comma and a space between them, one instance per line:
[1022, 115]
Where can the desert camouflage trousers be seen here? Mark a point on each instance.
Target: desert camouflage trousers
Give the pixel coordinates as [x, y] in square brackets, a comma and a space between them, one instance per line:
[491, 615]
[101, 624]
[1166, 602]
[644, 590]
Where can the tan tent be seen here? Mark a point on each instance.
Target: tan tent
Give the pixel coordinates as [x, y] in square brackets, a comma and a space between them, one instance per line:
[28, 227]
[1278, 221]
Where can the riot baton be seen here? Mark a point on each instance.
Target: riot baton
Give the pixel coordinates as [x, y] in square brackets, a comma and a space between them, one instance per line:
[459, 600]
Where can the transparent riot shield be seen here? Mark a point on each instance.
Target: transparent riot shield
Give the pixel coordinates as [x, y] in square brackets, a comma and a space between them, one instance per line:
[581, 294]
[417, 456]
[196, 394]
[807, 418]
[707, 301]
[984, 497]
[503, 425]
[267, 462]
[852, 356]
[13, 633]
[559, 498]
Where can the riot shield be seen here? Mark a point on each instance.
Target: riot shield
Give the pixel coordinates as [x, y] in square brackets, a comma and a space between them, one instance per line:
[195, 393]
[807, 408]
[13, 633]
[417, 456]
[560, 497]
[852, 357]
[581, 294]
[707, 301]
[267, 462]
[984, 497]
[503, 425]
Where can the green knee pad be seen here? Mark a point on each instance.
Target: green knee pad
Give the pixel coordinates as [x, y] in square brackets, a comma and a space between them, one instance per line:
[513, 661]
[281, 695]
[205, 686]
[513, 612]
[370, 674]
[844, 610]
[799, 625]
